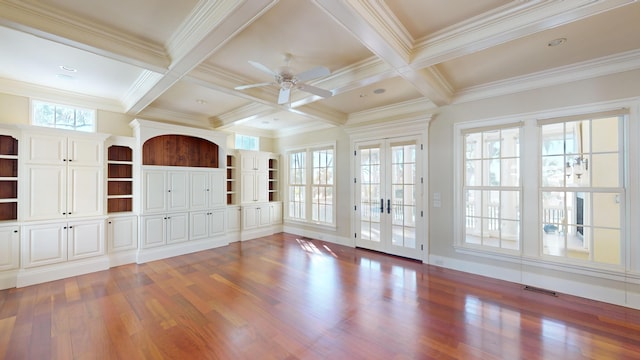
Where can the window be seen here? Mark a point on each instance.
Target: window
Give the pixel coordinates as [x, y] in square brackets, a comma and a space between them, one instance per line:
[311, 185]
[582, 192]
[246, 142]
[63, 116]
[491, 188]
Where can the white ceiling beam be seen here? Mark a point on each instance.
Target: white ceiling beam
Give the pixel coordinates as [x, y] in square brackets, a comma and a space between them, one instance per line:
[375, 26]
[507, 23]
[50, 23]
[211, 27]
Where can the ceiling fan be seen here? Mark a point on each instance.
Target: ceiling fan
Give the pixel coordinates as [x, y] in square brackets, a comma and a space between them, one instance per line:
[286, 80]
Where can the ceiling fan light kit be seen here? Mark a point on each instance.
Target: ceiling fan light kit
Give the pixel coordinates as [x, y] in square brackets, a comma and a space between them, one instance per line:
[287, 81]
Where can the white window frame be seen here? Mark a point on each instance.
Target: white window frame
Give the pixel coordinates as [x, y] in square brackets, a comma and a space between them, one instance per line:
[309, 185]
[91, 129]
[461, 214]
[532, 247]
[239, 141]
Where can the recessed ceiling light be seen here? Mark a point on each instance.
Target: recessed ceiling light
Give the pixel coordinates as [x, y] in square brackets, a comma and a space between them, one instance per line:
[556, 42]
[201, 101]
[64, 77]
[379, 91]
[363, 95]
[68, 68]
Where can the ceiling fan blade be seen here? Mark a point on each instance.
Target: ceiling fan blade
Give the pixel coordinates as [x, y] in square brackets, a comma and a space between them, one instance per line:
[283, 98]
[315, 90]
[263, 68]
[314, 73]
[242, 87]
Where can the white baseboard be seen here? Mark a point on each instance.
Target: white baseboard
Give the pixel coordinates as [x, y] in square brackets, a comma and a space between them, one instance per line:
[123, 257]
[610, 291]
[340, 240]
[8, 279]
[167, 251]
[37, 275]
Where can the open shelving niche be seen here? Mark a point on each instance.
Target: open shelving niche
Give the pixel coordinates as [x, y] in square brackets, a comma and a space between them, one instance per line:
[231, 179]
[8, 178]
[273, 179]
[119, 179]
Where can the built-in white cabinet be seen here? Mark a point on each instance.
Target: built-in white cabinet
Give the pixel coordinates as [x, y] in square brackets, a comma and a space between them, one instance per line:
[234, 216]
[64, 176]
[164, 229]
[256, 216]
[275, 212]
[207, 224]
[207, 189]
[122, 233]
[165, 190]
[61, 149]
[51, 243]
[254, 176]
[9, 247]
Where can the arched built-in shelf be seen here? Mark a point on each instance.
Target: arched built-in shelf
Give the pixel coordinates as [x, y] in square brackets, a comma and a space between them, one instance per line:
[180, 150]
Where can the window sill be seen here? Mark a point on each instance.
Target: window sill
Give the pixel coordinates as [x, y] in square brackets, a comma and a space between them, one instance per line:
[294, 222]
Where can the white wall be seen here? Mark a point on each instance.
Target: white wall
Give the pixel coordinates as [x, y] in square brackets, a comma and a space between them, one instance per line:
[343, 162]
[623, 86]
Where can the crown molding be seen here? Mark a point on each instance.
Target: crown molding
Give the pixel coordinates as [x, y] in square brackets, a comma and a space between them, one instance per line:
[143, 84]
[48, 22]
[250, 131]
[604, 66]
[162, 115]
[380, 18]
[418, 108]
[515, 20]
[204, 19]
[34, 91]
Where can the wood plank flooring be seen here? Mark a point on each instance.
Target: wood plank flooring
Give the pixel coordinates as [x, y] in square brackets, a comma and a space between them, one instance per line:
[286, 297]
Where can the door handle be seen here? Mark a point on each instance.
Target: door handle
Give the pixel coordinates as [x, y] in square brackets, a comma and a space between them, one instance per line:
[388, 206]
[381, 206]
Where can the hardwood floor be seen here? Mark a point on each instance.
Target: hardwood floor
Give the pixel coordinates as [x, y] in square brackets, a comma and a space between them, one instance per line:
[285, 297]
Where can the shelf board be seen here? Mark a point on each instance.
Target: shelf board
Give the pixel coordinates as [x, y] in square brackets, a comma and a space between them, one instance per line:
[120, 179]
[120, 196]
[9, 178]
[118, 162]
[9, 200]
[10, 157]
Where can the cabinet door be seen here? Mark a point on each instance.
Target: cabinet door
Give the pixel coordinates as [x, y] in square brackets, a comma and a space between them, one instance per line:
[177, 227]
[84, 152]
[153, 231]
[249, 217]
[248, 192]
[275, 209]
[155, 191]
[216, 222]
[264, 216]
[217, 190]
[44, 244]
[262, 162]
[46, 149]
[178, 190]
[9, 253]
[248, 161]
[262, 186]
[200, 190]
[233, 218]
[199, 225]
[85, 239]
[122, 233]
[47, 192]
[85, 191]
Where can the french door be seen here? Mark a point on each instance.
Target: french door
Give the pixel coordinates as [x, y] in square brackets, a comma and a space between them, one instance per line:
[388, 196]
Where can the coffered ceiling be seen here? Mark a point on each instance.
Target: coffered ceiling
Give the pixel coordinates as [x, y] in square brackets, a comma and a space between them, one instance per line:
[181, 61]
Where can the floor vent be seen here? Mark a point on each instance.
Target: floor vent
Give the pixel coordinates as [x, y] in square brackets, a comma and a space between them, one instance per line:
[541, 291]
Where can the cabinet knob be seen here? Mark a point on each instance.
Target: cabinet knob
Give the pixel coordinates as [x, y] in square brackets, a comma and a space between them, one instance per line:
[70, 160]
[70, 227]
[168, 190]
[64, 159]
[64, 213]
[65, 227]
[109, 222]
[15, 231]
